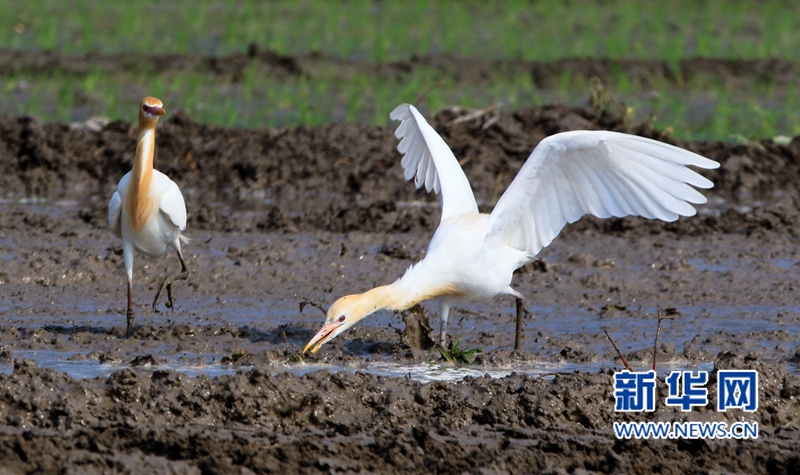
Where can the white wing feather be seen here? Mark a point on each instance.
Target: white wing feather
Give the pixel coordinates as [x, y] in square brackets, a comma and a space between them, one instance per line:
[172, 204]
[115, 215]
[601, 173]
[428, 159]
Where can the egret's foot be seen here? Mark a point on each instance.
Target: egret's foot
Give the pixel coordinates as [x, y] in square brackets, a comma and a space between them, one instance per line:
[129, 317]
[167, 284]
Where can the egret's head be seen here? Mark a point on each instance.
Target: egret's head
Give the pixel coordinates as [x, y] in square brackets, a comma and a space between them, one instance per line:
[150, 109]
[343, 314]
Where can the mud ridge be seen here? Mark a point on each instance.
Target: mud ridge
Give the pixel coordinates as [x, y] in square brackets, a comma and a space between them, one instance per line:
[50, 62]
[347, 177]
[344, 160]
[461, 69]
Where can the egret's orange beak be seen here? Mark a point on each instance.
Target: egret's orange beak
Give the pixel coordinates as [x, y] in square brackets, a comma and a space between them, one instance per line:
[323, 335]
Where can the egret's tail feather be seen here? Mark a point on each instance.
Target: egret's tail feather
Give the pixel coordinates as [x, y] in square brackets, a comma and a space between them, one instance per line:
[184, 239]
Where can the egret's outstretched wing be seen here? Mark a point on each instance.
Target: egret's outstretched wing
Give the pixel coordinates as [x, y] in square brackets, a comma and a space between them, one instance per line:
[428, 159]
[600, 173]
[173, 206]
[115, 215]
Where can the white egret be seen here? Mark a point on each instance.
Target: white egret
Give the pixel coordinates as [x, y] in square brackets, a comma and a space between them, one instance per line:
[472, 256]
[147, 211]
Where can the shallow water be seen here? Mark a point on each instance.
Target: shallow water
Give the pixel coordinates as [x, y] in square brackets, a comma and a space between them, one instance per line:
[732, 293]
[424, 372]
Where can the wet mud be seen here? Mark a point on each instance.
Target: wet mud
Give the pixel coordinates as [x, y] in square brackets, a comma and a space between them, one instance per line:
[257, 422]
[294, 218]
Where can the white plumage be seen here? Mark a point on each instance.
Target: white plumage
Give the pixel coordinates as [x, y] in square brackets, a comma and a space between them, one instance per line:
[426, 156]
[473, 256]
[162, 230]
[147, 211]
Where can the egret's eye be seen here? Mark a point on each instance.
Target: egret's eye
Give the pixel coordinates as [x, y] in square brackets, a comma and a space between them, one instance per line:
[341, 319]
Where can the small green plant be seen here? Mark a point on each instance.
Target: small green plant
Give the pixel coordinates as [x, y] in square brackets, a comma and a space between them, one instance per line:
[454, 354]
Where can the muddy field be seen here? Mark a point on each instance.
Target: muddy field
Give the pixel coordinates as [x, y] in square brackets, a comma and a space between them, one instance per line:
[280, 218]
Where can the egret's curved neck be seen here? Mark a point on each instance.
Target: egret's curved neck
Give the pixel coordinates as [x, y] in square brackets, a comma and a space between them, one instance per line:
[385, 297]
[140, 203]
[400, 296]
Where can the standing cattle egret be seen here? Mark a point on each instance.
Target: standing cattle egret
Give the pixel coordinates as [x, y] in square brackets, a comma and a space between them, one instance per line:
[472, 256]
[147, 211]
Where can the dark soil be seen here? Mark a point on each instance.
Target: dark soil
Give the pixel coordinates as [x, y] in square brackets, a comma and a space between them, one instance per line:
[346, 177]
[282, 217]
[168, 422]
[461, 70]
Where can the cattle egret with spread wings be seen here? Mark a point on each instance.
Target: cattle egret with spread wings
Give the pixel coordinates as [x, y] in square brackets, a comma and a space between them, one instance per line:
[472, 256]
[147, 211]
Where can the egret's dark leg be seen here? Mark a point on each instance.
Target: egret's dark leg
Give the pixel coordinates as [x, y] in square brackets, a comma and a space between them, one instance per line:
[184, 274]
[520, 312]
[129, 313]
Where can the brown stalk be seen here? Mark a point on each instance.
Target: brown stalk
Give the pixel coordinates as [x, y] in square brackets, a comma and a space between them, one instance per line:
[622, 357]
[661, 317]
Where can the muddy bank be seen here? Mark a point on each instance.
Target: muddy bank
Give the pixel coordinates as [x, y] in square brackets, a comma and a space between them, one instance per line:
[258, 422]
[347, 177]
[461, 70]
[338, 162]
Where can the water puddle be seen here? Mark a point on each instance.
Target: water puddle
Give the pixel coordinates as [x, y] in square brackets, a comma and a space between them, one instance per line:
[85, 369]
[424, 372]
[427, 373]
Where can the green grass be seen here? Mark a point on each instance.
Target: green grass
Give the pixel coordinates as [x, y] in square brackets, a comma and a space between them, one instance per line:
[381, 30]
[454, 354]
[703, 108]
[695, 110]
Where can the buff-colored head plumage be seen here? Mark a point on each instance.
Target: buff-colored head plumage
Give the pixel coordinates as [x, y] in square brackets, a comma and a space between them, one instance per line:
[349, 310]
[150, 109]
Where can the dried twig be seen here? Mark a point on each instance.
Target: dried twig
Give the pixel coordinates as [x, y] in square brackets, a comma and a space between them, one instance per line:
[490, 122]
[286, 339]
[305, 302]
[476, 114]
[622, 357]
[661, 317]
